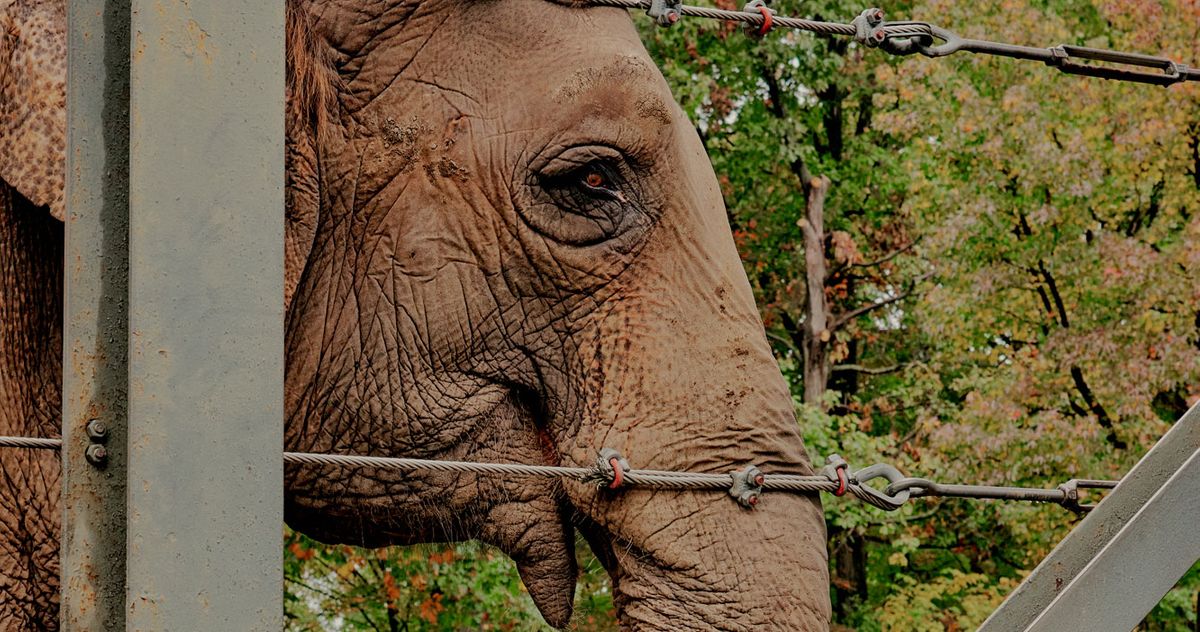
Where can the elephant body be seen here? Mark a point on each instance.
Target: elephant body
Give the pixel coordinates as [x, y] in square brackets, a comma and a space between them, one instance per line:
[504, 243]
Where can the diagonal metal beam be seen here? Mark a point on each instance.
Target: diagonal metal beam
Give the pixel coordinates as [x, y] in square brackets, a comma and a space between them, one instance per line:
[1142, 526]
[1138, 566]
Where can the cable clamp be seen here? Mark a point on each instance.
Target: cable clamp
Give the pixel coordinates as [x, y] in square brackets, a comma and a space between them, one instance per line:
[610, 470]
[835, 470]
[760, 7]
[665, 12]
[868, 28]
[747, 486]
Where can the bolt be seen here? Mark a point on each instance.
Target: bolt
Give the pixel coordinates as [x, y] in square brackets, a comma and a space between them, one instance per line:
[672, 17]
[759, 480]
[752, 499]
[97, 430]
[879, 36]
[96, 455]
[876, 15]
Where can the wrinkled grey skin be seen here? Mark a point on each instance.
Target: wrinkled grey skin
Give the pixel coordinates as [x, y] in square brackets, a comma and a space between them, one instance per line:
[505, 243]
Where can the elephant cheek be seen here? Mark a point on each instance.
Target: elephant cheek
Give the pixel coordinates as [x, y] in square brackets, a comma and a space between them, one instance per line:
[538, 537]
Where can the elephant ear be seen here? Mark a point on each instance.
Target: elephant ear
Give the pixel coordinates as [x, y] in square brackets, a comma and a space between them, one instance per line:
[33, 99]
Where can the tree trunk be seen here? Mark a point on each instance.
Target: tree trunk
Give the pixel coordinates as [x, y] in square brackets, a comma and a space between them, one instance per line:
[850, 571]
[817, 317]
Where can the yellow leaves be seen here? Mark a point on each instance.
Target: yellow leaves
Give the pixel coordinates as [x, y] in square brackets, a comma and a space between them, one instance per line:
[898, 559]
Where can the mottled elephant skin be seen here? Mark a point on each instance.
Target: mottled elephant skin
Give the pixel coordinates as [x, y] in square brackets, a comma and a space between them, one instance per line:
[504, 243]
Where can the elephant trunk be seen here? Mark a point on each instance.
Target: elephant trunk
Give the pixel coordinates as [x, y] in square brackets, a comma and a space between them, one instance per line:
[686, 381]
[712, 565]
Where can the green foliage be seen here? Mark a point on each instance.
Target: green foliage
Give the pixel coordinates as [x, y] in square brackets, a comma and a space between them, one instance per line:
[1056, 337]
[953, 601]
[465, 586]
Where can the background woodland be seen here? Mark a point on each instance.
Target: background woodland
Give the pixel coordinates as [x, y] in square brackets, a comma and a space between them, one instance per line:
[977, 269]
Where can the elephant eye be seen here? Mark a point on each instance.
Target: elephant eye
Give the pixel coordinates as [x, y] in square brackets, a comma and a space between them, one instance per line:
[584, 196]
[598, 179]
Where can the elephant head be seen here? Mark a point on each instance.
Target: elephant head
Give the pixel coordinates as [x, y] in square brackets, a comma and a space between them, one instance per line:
[505, 244]
[517, 252]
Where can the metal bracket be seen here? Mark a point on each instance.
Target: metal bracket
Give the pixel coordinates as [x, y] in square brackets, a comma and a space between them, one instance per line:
[1071, 489]
[747, 486]
[868, 27]
[665, 12]
[1063, 58]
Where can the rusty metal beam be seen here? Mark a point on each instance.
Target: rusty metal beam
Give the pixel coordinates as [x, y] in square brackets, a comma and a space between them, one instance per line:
[95, 337]
[205, 515]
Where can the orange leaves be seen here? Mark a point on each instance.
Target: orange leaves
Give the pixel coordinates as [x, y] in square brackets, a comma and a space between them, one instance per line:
[300, 552]
[431, 608]
[391, 591]
[445, 556]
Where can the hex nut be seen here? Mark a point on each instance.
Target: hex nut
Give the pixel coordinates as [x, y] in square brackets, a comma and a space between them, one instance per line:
[97, 430]
[96, 454]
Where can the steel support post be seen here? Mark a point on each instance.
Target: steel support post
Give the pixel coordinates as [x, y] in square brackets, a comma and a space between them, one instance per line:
[1143, 524]
[206, 315]
[95, 336]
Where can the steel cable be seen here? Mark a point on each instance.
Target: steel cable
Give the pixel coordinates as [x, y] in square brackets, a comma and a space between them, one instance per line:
[32, 443]
[910, 37]
[899, 490]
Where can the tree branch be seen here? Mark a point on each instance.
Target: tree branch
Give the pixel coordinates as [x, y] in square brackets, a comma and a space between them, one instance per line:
[1095, 408]
[785, 342]
[869, 370]
[886, 258]
[1059, 305]
[795, 334]
[840, 320]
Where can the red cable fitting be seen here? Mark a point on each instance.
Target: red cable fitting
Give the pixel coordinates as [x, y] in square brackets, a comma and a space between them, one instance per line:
[768, 21]
[618, 473]
[842, 482]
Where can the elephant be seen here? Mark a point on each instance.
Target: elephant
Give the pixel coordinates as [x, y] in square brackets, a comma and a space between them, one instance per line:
[504, 243]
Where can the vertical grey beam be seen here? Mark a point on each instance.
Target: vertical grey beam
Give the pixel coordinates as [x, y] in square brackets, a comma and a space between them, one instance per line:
[1095, 532]
[95, 328]
[206, 315]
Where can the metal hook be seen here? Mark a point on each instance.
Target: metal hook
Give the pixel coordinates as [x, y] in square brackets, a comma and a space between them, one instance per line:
[876, 497]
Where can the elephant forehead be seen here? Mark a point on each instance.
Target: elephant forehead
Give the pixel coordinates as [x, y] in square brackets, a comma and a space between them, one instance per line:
[486, 52]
